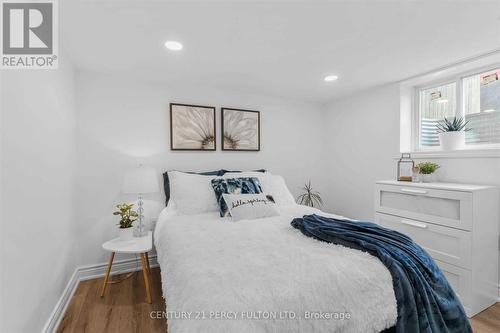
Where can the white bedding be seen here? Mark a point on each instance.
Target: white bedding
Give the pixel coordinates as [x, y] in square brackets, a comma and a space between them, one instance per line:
[250, 270]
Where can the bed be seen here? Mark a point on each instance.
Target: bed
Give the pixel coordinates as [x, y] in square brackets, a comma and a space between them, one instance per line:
[262, 275]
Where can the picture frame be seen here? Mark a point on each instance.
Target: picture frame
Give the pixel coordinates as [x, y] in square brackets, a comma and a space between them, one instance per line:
[192, 127]
[240, 129]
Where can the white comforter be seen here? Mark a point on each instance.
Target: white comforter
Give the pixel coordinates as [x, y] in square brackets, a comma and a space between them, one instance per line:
[222, 276]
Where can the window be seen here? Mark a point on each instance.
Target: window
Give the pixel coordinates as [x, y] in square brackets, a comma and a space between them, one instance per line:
[436, 104]
[474, 97]
[481, 96]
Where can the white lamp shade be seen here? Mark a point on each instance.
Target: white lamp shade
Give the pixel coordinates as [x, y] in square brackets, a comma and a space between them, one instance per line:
[140, 180]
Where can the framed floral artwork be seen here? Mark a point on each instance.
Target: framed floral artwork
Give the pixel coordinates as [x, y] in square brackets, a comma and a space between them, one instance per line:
[192, 127]
[240, 130]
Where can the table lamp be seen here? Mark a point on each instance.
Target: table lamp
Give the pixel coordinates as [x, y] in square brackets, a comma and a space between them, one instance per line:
[140, 180]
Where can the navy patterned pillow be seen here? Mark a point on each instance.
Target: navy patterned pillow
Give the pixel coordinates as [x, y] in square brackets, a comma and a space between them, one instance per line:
[242, 185]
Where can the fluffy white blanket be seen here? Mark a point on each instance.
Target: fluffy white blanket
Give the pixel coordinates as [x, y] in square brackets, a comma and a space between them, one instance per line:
[265, 276]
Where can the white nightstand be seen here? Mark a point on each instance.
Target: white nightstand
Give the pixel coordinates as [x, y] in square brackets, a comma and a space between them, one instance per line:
[137, 245]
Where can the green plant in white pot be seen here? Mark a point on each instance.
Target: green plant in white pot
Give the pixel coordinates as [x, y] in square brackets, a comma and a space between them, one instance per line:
[426, 169]
[452, 133]
[127, 218]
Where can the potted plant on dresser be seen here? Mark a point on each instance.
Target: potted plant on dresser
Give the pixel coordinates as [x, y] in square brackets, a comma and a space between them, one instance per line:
[127, 218]
[426, 170]
[452, 133]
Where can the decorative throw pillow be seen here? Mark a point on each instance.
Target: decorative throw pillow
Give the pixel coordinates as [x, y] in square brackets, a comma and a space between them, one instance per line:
[250, 206]
[242, 185]
[271, 184]
[263, 178]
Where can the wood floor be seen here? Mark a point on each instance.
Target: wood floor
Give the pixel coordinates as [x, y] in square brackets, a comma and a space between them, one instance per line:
[124, 309]
[487, 321]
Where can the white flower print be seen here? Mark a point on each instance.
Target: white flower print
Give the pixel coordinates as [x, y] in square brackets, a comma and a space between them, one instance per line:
[240, 130]
[193, 127]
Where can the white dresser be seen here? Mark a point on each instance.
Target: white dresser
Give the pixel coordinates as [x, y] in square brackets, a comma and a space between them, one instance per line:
[457, 224]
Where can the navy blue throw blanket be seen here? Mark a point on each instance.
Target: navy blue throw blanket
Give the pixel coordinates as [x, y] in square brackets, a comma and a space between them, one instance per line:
[426, 302]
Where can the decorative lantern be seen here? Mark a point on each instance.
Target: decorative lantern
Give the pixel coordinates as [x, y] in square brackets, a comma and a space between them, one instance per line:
[405, 168]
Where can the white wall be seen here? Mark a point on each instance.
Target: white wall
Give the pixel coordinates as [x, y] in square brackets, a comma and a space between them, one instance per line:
[37, 185]
[122, 122]
[364, 139]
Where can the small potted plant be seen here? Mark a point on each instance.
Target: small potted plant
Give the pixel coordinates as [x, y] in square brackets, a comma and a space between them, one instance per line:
[127, 218]
[310, 197]
[426, 169]
[452, 133]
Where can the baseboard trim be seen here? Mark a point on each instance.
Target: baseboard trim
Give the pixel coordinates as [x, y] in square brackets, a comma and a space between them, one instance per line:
[62, 304]
[119, 266]
[86, 273]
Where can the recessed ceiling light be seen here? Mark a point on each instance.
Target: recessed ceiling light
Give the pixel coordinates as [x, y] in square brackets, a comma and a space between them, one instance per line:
[173, 45]
[330, 78]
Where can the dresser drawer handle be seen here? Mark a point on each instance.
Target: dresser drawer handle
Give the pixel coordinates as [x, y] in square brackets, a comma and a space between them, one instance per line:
[415, 224]
[409, 190]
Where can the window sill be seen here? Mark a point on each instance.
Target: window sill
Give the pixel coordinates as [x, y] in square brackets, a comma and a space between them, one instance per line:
[464, 153]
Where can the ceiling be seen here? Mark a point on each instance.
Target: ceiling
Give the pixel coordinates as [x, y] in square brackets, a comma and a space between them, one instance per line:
[277, 47]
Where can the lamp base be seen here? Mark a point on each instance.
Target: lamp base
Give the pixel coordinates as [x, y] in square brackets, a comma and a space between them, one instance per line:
[140, 232]
[141, 228]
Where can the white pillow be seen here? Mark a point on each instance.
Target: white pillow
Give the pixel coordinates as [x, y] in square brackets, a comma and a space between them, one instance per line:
[192, 193]
[250, 206]
[279, 191]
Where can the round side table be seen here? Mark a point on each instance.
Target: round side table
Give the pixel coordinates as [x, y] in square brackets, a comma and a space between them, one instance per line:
[137, 245]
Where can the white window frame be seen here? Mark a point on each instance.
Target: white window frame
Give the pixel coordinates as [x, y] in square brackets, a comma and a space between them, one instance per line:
[416, 110]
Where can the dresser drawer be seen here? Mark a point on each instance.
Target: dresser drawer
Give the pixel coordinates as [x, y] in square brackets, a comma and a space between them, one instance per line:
[449, 208]
[442, 243]
[460, 280]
